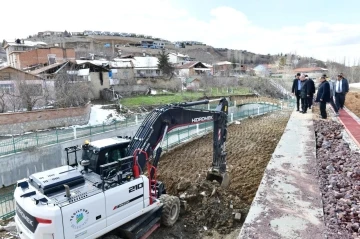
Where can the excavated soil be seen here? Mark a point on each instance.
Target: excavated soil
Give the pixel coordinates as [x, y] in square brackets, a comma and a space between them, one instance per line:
[352, 102]
[213, 212]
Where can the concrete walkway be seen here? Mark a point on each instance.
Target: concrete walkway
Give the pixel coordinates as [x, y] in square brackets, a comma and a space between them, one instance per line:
[288, 201]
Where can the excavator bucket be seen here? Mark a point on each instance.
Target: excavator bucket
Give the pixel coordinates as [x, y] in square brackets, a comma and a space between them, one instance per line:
[222, 178]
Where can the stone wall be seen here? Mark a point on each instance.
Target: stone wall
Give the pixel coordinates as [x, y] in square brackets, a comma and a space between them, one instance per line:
[20, 122]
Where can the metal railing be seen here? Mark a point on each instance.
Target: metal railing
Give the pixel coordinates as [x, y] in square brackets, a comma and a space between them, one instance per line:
[15, 144]
[173, 138]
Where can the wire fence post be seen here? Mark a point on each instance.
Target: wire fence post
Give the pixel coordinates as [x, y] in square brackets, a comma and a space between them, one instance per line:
[37, 139]
[258, 110]
[136, 119]
[197, 128]
[14, 143]
[178, 136]
[232, 117]
[57, 136]
[74, 132]
[208, 106]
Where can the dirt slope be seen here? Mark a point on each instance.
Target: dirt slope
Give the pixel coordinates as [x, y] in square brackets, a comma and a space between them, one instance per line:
[211, 210]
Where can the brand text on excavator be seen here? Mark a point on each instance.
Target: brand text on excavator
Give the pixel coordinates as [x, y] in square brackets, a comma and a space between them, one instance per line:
[199, 119]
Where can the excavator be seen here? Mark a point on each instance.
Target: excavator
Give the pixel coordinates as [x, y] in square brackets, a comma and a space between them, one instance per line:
[112, 192]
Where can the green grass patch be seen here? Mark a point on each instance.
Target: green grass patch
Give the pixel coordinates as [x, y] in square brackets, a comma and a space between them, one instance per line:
[179, 97]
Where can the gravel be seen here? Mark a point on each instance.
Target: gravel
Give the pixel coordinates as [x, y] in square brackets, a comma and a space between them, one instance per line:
[339, 171]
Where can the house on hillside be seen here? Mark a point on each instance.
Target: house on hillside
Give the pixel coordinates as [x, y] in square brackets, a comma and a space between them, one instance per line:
[177, 58]
[146, 66]
[121, 72]
[96, 75]
[262, 70]
[14, 49]
[227, 68]
[20, 90]
[192, 68]
[40, 57]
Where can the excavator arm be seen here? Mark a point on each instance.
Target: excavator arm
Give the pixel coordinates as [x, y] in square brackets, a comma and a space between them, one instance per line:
[162, 120]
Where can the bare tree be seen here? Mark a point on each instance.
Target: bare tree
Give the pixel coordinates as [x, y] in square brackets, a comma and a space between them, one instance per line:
[27, 94]
[2, 102]
[71, 91]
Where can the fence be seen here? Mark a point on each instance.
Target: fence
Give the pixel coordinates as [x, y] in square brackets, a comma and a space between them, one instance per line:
[173, 138]
[15, 144]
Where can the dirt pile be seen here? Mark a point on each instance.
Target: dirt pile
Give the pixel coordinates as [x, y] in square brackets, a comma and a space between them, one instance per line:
[353, 102]
[211, 209]
[339, 170]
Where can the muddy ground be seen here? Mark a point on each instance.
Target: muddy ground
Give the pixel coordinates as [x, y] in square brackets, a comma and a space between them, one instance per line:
[214, 212]
[352, 102]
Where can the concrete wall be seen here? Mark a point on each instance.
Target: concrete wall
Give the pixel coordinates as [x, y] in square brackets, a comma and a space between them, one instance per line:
[127, 90]
[20, 165]
[97, 85]
[20, 122]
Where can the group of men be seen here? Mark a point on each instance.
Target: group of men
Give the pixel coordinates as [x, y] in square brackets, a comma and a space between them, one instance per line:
[304, 89]
[333, 92]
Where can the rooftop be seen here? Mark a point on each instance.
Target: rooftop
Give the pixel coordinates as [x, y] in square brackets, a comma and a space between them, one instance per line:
[26, 43]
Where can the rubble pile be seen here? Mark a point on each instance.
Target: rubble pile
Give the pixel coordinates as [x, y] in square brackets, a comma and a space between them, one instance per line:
[339, 171]
[209, 206]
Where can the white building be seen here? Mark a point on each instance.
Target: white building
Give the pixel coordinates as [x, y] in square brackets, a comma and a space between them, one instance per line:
[177, 58]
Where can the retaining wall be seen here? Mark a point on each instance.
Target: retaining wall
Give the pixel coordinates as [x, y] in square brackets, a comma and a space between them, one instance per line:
[20, 122]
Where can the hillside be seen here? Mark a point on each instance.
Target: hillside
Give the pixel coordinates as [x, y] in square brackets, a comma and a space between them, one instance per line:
[108, 46]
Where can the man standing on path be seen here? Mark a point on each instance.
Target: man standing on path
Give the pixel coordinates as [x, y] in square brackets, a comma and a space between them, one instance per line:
[323, 96]
[311, 90]
[332, 84]
[304, 94]
[342, 88]
[296, 88]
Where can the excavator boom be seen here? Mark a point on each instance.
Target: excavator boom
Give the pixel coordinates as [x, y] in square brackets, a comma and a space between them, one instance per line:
[162, 120]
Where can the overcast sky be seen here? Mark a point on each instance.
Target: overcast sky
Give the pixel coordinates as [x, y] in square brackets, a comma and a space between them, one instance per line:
[327, 30]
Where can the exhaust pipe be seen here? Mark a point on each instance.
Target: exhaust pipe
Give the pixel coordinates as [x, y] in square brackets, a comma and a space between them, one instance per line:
[67, 191]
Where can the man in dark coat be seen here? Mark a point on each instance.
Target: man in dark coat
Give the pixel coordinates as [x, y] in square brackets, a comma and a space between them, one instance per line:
[342, 88]
[296, 87]
[323, 96]
[304, 94]
[311, 90]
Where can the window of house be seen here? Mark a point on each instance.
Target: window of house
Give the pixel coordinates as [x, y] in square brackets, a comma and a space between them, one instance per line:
[5, 76]
[6, 88]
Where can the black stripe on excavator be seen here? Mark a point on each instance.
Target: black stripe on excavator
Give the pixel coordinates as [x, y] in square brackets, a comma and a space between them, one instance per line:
[29, 221]
[127, 202]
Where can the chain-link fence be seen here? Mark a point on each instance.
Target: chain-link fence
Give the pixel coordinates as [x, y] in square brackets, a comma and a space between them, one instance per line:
[14, 144]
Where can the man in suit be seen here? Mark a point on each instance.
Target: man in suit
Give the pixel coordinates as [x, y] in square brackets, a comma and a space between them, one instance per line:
[304, 94]
[323, 96]
[311, 90]
[332, 83]
[342, 88]
[296, 88]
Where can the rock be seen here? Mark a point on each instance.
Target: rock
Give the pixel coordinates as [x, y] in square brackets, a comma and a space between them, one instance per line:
[10, 227]
[339, 195]
[183, 185]
[237, 216]
[330, 168]
[355, 226]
